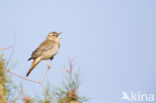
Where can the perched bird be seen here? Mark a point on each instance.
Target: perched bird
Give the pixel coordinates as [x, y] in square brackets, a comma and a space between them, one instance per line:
[46, 50]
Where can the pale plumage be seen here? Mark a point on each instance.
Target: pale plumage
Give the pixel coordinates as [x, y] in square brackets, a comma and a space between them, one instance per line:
[46, 50]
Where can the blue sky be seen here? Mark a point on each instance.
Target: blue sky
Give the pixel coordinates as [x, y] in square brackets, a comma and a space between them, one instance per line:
[112, 41]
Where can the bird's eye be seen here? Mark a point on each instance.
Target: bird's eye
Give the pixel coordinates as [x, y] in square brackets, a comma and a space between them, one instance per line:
[54, 34]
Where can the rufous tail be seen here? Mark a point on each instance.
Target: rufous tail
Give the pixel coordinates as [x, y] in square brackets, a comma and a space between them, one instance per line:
[34, 63]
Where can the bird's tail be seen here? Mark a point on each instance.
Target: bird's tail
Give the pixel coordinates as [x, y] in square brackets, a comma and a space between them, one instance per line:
[34, 63]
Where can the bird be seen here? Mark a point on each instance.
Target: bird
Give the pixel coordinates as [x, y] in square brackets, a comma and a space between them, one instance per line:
[46, 50]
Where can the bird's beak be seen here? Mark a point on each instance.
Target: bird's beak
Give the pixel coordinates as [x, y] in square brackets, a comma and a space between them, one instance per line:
[59, 33]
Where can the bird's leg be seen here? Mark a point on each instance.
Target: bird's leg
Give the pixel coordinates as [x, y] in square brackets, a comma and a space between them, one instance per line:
[51, 58]
[51, 61]
[50, 64]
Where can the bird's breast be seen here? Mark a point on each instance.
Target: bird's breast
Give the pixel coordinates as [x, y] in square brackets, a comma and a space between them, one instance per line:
[50, 53]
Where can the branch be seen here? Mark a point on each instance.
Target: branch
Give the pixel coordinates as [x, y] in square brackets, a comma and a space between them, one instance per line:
[40, 82]
[43, 77]
[46, 92]
[6, 47]
[23, 77]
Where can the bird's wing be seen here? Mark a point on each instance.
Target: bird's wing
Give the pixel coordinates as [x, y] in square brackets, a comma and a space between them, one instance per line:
[44, 46]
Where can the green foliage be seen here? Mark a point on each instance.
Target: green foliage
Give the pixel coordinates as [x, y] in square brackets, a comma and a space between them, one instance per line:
[7, 88]
[66, 93]
[3, 81]
[69, 91]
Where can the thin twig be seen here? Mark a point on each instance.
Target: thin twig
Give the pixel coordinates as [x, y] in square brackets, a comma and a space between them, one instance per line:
[34, 81]
[20, 94]
[44, 75]
[23, 77]
[46, 92]
[6, 47]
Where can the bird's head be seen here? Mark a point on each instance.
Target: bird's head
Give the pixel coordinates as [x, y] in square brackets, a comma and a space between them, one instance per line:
[53, 36]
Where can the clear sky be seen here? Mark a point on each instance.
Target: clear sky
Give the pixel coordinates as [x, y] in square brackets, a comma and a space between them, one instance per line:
[112, 41]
